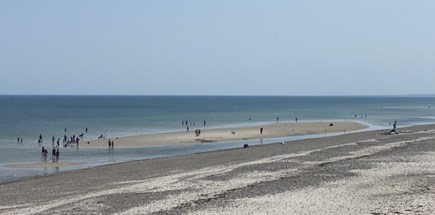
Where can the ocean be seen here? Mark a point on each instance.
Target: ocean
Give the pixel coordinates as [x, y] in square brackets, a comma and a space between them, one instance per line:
[27, 117]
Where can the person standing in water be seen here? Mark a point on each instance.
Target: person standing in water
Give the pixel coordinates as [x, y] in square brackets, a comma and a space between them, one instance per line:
[53, 153]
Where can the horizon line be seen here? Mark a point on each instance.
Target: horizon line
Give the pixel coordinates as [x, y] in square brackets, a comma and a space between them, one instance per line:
[223, 95]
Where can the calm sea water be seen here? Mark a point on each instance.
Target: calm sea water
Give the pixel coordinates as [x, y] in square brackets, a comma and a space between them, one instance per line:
[29, 116]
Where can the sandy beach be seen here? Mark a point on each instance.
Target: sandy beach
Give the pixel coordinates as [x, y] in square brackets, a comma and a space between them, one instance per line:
[224, 134]
[355, 173]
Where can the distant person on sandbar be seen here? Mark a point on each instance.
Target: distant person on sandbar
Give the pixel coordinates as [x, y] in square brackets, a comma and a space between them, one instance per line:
[86, 130]
[205, 122]
[277, 119]
[261, 130]
[296, 119]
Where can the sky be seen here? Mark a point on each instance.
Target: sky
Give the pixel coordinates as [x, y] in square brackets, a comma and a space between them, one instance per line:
[225, 47]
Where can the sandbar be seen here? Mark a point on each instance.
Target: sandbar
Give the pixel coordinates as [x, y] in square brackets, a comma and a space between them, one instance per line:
[271, 130]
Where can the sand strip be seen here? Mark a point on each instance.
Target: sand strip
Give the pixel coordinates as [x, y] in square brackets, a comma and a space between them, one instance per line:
[225, 134]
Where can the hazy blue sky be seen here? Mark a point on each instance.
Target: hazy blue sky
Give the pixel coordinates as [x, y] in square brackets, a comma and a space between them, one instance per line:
[250, 47]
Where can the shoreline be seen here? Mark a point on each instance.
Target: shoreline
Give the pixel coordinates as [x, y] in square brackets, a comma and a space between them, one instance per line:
[364, 172]
[250, 174]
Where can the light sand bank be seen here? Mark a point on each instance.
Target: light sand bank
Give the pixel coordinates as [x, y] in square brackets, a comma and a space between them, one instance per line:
[225, 134]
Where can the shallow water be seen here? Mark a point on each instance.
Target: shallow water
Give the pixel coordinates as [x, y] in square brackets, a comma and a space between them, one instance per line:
[28, 116]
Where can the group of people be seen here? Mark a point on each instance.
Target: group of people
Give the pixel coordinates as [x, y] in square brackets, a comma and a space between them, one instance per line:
[67, 141]
[362, 116]
[197, 132]
[55, 153]
[187, 124]
[111, 144]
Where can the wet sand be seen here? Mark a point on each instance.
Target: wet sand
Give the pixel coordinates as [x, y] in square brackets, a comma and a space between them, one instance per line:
[224, 134]
[356, 173]
[47, 164]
